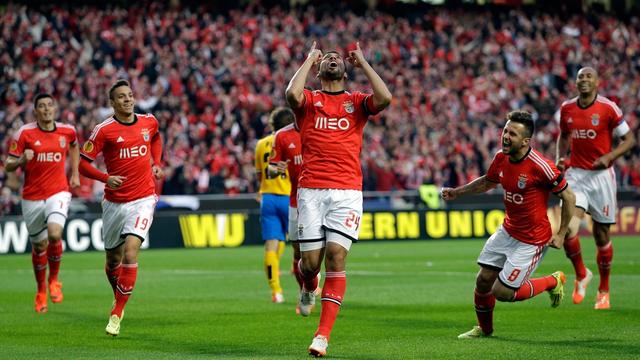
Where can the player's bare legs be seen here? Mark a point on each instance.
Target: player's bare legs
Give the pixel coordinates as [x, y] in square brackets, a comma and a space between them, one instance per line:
[574, 253]
[128, 253]
[54, 255]
[39, 261]
[604, 257]
[272, 269]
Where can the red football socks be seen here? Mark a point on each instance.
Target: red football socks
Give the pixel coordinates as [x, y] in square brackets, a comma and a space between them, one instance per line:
[484, 310]
[533, 287]
[604, 257]
[39, 261]
[573, 252]
[54, 254]
[124, 288]
[335, 284]
[113, 275]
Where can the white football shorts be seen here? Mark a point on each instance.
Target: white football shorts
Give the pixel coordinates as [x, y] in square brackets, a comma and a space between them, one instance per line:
[130, 218]
[328, 215]
[293, 224]
[517, 260]
[38, 213]
[595, 192]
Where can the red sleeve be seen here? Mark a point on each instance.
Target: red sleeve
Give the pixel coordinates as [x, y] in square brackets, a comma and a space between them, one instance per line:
[88, 170]
[16, 147]
[302, 110]
[156, 149]
[276, 149]
[93, 146]
[73, 136]
[493, 174]
[563, 120]
[558, 183]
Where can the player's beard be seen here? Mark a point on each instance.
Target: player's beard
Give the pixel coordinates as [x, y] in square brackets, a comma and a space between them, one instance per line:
[332, 74]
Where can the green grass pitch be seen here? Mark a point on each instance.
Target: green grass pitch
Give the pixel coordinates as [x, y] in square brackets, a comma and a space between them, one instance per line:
[404, 300]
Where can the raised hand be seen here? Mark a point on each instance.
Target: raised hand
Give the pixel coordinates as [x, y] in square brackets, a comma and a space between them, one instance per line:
[315, 54]
[356, 57]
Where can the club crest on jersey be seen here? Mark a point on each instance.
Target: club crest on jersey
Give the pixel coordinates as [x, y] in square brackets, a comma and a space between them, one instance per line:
[88, 147]
[348, 106]
[522, 181]
[145, 134]
[63, 142]
[595, 119]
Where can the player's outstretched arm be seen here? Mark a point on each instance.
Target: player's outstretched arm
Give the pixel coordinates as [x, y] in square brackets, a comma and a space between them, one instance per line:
[477, 186]
[88, 170]
[156, 155]
[568, 208]
[295, 89]
[627, 143]
[381, 94]
[74, 153]
[562, 148]
[12, 162]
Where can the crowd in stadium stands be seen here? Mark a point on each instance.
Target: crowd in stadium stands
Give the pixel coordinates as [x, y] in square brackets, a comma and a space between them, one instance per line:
[211, 81]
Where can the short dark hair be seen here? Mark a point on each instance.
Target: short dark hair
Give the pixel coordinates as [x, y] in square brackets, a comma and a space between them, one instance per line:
[39, 97]
[524, 118]
[331, 52]
[281, 117]
[117, 84]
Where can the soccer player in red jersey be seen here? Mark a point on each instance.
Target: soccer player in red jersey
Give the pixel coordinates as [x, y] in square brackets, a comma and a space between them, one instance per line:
[514, 251]
[41, 149]
[588, 124]
[286, 155]
[331, 123]
[132, 149]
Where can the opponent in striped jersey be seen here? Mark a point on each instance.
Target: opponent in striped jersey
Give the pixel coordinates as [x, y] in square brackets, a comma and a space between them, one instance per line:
[41, 148]
[132, 150]
[274, 203]
[588, 124]
[286, 156]
[514, 251]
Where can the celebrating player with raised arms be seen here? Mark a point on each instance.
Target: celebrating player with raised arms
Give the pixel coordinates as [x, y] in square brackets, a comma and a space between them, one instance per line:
[132, 150]
[331, 123]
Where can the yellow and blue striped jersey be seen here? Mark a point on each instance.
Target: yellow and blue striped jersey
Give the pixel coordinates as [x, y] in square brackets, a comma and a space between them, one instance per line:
[279, 185]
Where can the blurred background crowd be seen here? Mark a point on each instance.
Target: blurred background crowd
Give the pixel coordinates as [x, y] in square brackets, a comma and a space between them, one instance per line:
[212, 77]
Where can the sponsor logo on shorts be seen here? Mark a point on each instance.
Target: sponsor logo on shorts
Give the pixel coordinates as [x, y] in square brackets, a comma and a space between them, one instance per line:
[300, 230]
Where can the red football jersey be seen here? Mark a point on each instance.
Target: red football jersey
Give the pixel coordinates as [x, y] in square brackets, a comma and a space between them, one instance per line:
[591, 129]
[127, 152]
[287, 147]
[527, 184]
[331, 127]
[44, 175]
